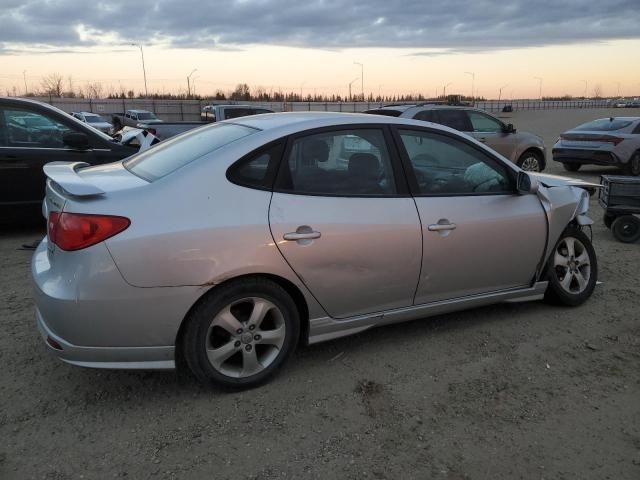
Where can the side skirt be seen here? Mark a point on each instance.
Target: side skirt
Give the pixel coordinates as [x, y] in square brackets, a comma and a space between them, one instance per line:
[327, 328]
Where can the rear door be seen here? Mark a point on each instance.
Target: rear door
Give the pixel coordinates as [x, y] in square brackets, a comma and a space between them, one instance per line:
[29, 140]
[342, 217]
[479, 235]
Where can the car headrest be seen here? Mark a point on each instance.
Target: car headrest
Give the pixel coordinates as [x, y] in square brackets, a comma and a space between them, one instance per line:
[364, 165]
[315, 150]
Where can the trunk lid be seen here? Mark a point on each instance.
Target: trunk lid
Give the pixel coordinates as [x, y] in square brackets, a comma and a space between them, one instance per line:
[590, 140]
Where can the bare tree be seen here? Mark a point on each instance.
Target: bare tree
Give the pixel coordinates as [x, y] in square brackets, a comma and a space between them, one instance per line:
[597, 91]
[93, 90]
[53, 85]
[242, 92]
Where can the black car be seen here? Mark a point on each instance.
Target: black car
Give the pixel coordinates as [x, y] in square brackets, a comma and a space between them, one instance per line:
[33, 133]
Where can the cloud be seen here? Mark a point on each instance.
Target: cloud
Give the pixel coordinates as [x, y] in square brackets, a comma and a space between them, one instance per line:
[431, 28]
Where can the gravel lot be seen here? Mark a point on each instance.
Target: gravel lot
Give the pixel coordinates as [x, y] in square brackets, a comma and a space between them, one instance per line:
[510, 391]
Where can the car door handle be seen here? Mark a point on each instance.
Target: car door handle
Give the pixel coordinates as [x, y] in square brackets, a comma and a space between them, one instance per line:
[439, 227]
[302, 235]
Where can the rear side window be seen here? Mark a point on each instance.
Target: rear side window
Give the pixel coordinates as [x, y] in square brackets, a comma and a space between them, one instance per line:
[236, 112]
[258, 169]
[456, 119]
[425, 116]
[604, 125]
[179, 151]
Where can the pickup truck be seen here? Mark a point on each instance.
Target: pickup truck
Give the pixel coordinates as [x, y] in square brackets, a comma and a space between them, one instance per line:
[33, 133]
[132, 118]
[218, 113]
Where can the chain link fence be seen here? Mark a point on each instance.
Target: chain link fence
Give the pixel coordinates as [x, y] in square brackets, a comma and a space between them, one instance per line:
[189, 110]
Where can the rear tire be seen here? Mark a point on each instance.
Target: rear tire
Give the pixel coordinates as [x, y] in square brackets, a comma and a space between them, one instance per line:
[626, 228]
[572, 269]
[531, 161]
[633, 165]
[241, 334]
[571, 167]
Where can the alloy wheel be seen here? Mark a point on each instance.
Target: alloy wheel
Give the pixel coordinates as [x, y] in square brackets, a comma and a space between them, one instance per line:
[572, 265]
[530, 164]
[245, 337]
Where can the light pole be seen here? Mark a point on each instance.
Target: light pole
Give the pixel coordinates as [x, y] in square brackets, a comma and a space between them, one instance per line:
[500, 94]
[473, 81]
[618, 89]
[144, 70]
[351, 83]
[189, 82]
[444, 90]
[540, 85]
[301, 85]
[361, 78]
[24, 77]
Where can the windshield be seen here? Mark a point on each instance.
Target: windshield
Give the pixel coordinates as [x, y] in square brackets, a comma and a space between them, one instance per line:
[94, 119]
[604, 125]
[146, 116]
[179, 151]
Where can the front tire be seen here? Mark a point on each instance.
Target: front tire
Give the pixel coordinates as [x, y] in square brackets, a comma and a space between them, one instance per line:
[572, 269]
[571, 167]
[531, 161]
[241, 334]
[626, 228]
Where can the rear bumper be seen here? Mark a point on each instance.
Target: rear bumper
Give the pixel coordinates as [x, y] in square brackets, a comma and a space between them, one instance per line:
[97, 319]
[143, 358]
[585, 156]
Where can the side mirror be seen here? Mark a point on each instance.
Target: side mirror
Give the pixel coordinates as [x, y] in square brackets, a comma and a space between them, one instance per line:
[526, 184]
[77, 141]
[509, 128]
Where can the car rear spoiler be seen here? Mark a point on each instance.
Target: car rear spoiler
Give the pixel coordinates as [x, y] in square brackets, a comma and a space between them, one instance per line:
[64, 174]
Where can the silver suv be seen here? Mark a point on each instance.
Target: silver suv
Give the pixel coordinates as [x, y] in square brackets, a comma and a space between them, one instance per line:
[523, 148]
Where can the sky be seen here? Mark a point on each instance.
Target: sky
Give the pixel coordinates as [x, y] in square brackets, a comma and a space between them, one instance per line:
[321, 46]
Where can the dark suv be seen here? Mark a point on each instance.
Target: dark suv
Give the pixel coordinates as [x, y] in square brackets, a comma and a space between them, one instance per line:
[524, 149]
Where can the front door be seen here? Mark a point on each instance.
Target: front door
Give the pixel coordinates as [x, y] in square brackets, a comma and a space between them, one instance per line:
[480, 236]
[491, 132]
[344, 222]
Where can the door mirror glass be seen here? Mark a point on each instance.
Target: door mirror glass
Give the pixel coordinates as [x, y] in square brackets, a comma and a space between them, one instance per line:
[526, 183]
[78, 141]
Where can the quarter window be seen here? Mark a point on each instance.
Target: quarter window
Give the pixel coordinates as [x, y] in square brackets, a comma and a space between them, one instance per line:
[484, 123]
[257, 170]
[352, 162]
[446, 166]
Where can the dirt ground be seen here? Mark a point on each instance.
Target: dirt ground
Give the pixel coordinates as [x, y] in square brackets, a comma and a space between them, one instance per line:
[505, 392]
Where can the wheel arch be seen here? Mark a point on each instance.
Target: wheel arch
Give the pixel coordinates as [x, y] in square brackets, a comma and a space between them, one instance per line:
[295, 293]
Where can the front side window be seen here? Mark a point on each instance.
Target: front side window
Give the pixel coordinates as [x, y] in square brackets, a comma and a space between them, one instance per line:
[456, 119]
[179, 151]
[351, 162]
[34, 130]
[446, 166]
[484, 123]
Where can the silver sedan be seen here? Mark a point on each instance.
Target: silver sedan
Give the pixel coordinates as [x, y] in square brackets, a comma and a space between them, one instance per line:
[229, 245]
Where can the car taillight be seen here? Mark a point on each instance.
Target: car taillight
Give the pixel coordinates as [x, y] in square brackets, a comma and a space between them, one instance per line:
[75, 231]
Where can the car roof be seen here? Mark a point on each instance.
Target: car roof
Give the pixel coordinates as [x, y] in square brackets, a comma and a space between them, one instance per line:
[139, 111]
[291, 122]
